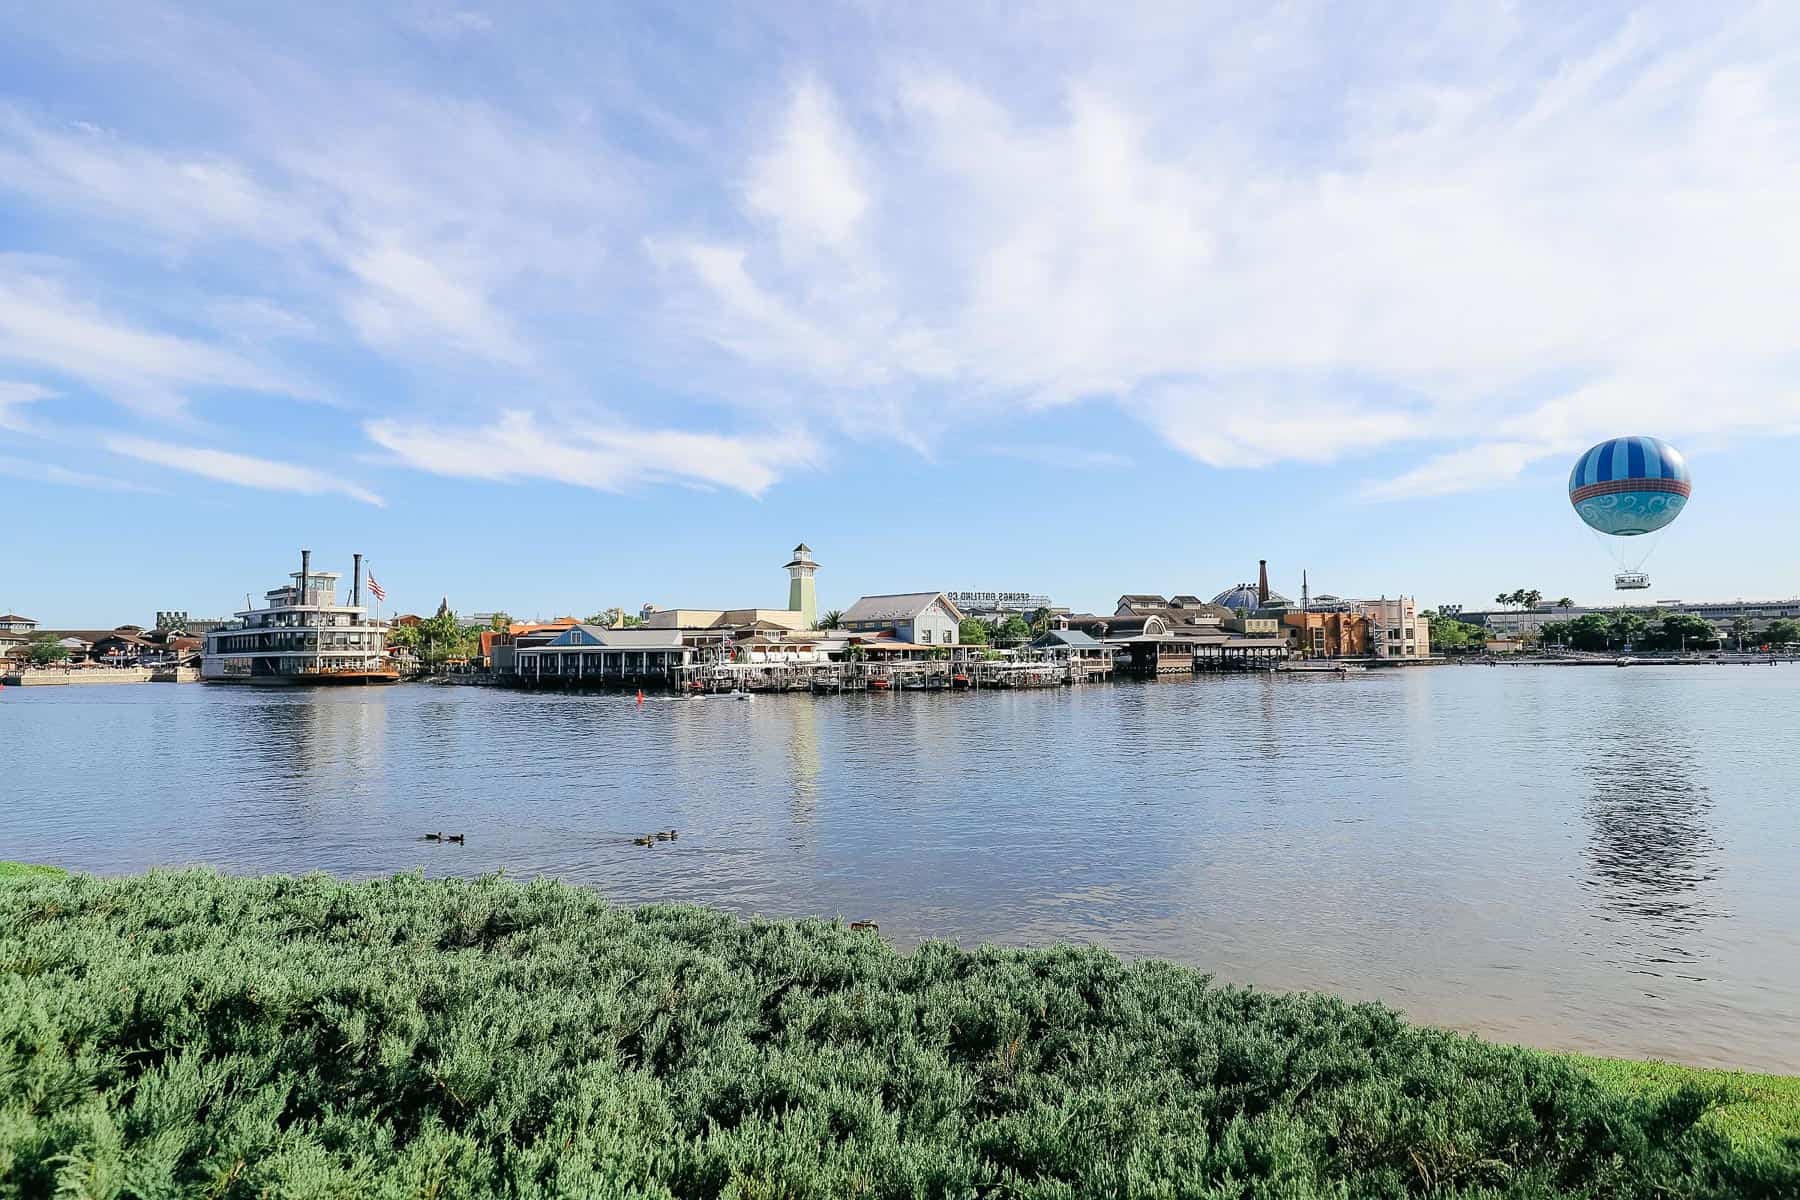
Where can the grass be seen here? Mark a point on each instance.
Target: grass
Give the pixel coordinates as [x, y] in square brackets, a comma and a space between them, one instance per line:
[1758, 1112]
[16, 870]
[186, 1034]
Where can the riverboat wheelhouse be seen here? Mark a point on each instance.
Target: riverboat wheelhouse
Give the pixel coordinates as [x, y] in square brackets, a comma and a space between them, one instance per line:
[301, 635]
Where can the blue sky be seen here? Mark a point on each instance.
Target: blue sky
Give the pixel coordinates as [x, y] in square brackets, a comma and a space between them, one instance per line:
[552, 307]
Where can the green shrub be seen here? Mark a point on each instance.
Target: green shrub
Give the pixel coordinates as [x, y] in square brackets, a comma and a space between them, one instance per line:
[186, 1034]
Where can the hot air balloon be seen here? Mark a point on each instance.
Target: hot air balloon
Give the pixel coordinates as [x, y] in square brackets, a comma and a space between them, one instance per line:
[1628, 490]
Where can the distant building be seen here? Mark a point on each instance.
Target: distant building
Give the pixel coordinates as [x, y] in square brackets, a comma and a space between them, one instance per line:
[803, 593]
[589, 654]
[801, 613]
[15, 632]
[1328, 634]
[1176, 610]
[177, 621]
[1001, 604]
[922, 618]
[1396, 630]
[1520, 622]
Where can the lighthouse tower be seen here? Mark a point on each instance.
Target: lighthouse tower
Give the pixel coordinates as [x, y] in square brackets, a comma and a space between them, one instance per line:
[803, 595]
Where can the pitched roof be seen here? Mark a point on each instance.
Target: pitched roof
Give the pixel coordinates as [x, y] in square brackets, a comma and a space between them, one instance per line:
[17, 617]
[618, 639]
[903, 606]
[1074, 639]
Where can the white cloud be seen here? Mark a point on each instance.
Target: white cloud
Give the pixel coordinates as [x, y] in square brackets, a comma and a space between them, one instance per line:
[807, 185]
[240, 469]
[42, 472]
[1468, 222]
[43, 326]
[408, 292]
[1471, 244]
[592, 455]
[14, 396]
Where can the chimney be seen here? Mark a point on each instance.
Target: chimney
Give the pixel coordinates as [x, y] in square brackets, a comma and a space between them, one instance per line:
[305, 572]
[1262, 582]
[356, 581]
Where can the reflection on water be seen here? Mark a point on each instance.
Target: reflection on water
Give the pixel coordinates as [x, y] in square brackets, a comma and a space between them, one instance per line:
[1650, 849]
[1595, 859]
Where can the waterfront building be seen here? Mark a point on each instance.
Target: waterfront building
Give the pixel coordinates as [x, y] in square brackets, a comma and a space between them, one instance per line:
[922, 618]
[1509, 623]
[301, 635]
[800, 614]
[16, 632]
[1396, 630]
[1176, 610]
[177, 621]
[997, 606]
[589, 655]
[1328, 633]
[803, 591]
[1075, 648]
[1249, 597]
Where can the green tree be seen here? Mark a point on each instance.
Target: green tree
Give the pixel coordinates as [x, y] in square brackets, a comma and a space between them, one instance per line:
[1784, 631]
[1452, 636]
[1741, 628]
[1014, 631]
[1040, 621]
[1590, 631]
[1531, 599]
[972, 631]
[443, 637]
[832, 619]
[45, 650]
[1554, 633]
[1565, 603]
[1685, 631]
[1626, 630]
[500, 621]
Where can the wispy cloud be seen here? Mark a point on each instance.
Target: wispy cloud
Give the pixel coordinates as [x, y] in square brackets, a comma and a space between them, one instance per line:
[1495, 207]
[42, 472]
[591, 455]
[43, 326]
[1464, 248]
[1071, 458]
[14, 396]
[240, 469]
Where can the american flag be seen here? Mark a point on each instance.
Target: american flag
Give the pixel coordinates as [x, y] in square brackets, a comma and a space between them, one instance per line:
[375, 589]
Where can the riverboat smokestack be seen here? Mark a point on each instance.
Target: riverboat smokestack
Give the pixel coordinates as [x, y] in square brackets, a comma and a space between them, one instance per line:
[305, 572]
[356, 581]
[1262, 582]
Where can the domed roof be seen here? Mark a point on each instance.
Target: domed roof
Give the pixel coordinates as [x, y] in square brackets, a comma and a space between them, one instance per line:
[1243, 595]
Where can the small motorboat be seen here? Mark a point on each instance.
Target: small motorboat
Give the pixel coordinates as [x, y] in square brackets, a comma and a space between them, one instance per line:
[880, 683]
[1625, 661]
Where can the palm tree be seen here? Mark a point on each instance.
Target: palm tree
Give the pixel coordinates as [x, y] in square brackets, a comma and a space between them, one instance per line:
[834, 619]
[1502, 600]
[1040, 621]
[1740, 629]
[1565, 603]
[1532, 598]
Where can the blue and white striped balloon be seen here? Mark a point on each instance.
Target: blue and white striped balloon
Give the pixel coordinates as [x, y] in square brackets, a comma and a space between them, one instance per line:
[1630, 486]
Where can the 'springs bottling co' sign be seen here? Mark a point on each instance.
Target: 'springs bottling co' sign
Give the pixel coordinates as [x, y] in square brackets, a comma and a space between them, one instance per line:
[999, 600]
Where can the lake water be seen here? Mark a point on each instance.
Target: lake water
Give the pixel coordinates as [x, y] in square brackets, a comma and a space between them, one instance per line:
[1583, 858]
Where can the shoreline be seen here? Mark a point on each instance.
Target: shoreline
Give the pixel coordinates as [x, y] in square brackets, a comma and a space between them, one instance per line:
[1754, 1111]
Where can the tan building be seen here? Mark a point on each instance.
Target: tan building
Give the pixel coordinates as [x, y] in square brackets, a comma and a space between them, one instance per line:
[1328, 634]
[1396, 630]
